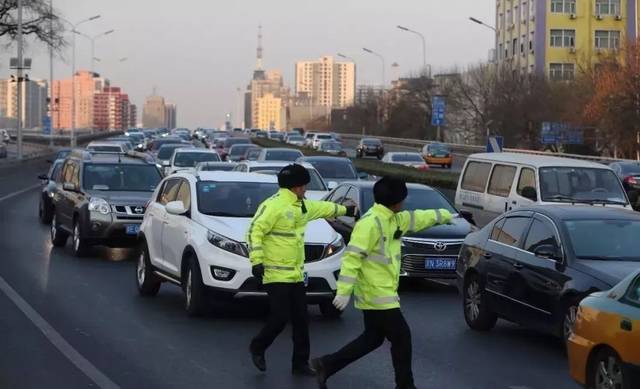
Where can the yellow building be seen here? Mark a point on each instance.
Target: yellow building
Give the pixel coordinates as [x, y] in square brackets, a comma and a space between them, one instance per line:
[557, 38]
[271, 113]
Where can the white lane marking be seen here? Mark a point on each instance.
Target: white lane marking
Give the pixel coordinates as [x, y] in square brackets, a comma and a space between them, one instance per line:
[57, 340]
[14, 194]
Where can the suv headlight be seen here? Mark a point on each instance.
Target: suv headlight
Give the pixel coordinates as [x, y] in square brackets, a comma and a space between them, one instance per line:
[334, 247]
[227, 244]
[99, 205]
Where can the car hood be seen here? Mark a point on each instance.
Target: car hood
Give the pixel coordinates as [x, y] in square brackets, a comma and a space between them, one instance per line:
[458, 229]
[318, 231]
[122, 198]
[610, 272]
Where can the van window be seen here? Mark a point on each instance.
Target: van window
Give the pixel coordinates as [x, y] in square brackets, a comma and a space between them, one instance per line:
[475, 176]
[527, 179]
[501, 180]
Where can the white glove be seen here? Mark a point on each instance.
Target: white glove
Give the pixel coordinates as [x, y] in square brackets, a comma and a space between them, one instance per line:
[341, 302]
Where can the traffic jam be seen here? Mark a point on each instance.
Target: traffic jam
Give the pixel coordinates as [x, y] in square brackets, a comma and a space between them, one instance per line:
[544, 242]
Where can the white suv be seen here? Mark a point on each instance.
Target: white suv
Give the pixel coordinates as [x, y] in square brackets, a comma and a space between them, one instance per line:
[318, 138]
[193, 235]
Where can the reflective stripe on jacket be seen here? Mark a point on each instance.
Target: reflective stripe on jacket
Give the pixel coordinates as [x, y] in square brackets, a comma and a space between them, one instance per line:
[371, 263]
[276, 234]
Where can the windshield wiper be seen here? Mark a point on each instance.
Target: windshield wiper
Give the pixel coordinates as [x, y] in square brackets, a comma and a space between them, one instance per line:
[560, 197]
[605, 201]
[606, 258]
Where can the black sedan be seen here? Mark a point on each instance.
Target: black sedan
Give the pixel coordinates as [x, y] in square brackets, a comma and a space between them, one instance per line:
[533, 266]
[50, 183]
[431, 253]
[370, 147]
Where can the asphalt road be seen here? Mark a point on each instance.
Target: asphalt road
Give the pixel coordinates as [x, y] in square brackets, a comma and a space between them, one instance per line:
[91, 305]
[458, 160]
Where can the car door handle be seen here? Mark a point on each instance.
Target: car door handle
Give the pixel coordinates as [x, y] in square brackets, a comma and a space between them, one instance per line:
[518, 265]
[487, 255]
[626, 325]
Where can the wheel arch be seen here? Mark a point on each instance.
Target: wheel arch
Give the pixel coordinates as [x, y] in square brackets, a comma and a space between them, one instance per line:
[187, 253]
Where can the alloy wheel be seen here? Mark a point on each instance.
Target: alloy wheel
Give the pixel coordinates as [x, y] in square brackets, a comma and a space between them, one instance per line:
[54, 228]
[609, 374]
[142, 268]
[188, 288]
[569, 321]
[472, 303]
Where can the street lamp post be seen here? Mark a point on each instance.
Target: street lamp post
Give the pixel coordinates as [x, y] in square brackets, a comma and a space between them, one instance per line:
[480, 22]
[73, 73]
[51, 100]
[19, 87]
[384, 81]
[92, 39]
[424, 46]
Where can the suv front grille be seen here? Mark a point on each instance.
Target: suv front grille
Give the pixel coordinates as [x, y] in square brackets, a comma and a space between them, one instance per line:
[313, 252]
[127, 212]
[433, 247]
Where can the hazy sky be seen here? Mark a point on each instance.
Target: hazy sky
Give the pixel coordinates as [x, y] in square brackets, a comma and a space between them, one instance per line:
[198, 52]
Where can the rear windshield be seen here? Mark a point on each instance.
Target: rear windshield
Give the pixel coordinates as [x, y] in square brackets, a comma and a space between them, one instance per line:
[283, 155]
[605, 239]
[406, 158]
[330, 146]
[324, 136]
[331, 169]
[105, 149]
[232, 199]
[316, 183]
[630, 169]
[234, 141]
[222, 167]
[192, 158]
[416, 199]
[240, 149]
[166, 152]
[120, 177]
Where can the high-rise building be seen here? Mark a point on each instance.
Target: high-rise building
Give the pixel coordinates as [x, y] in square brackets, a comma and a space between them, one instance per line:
[34, 102]
[3, 98]
[133, 116]
[86, 85]
[272, 114]
[154, 112]
[111, 109]
[170, 115]
[327, 82]
[557, 37]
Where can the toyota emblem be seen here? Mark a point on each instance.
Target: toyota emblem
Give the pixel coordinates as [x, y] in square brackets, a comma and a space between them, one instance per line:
[138, 210]
[440, 246]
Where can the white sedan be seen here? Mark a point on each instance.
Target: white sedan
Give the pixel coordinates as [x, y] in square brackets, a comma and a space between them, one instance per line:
[193, 235]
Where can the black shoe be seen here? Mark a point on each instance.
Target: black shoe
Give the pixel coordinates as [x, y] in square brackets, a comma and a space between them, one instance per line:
[303, 370]
[259, 361]
[321, 373]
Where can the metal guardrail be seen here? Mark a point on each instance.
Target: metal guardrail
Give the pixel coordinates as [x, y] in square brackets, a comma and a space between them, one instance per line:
[471, 149]
[64, 140]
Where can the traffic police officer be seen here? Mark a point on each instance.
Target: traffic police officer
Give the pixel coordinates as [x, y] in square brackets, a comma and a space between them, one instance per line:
[276, 244]
[371, 272]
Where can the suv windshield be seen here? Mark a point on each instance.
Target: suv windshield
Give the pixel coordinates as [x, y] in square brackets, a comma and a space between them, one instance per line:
[190, 159]
[232, 199]
[166, 151]
[416, 199]
[605, 239]
[282, 155]
[371, 142]
[589, 185]
[406, 158]
[120, 177]
[330, 169]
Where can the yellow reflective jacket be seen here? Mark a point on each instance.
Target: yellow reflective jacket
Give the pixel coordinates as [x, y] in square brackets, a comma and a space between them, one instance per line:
[276, 234]
[371, 264]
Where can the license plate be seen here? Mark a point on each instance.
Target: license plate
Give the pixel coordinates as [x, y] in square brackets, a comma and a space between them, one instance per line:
[305, 276]
[440, 264]
[132, 229]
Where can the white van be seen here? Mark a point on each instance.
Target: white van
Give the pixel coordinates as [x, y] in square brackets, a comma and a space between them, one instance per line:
[493, 183]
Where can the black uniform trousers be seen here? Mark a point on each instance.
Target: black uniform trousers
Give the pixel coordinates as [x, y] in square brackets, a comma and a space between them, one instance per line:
[287, 302]
[378, 325]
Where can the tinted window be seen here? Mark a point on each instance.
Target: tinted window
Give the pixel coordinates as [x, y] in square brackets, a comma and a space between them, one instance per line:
[566, 184]
[605, 239]
[501, 180]
[222, 167]
[335, 169]
[629, 169]
[239, 149]
[166, 151]
[540, 234]
[253, 154]
[475, 176]
[527, 179]
[282, 155]
[121, 177]
[55, 173]
[184, 195]
[232, 199]
[512, 231]
[330, 146]
[169, 191]
[105, 149]
[495, 232]
[191, 159]
[406, 158]
[417, 198]
[633, 294]
[234, 141]
[371, 142]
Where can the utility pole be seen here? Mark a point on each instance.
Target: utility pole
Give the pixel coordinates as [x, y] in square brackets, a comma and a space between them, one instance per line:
[51, 99]
[19, 85]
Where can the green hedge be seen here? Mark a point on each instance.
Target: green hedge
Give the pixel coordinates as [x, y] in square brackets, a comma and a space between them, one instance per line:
[439, 179]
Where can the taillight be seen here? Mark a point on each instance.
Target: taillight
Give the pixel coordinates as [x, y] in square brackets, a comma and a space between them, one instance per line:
[631, 180]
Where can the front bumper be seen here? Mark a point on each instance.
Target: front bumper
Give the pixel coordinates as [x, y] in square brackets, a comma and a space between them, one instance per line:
[578, 350]
[416, 252]
[111, 230]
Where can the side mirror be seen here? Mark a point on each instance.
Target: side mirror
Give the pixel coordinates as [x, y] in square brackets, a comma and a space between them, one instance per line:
[175, 208]
[332, 185]
[69, 186]
[468, 216]
[547, 251]
[529, 192]
[363, 175]
[43, 177]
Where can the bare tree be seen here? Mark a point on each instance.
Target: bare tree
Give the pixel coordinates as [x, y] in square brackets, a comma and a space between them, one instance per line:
[37, 19]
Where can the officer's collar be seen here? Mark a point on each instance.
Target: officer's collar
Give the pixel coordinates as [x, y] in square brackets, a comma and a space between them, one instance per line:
[383, 211]
[288, 195]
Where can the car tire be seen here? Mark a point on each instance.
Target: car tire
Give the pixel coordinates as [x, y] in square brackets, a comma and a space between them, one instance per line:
[476, 311]
[195, 293]
[328, 310]
[607, 368]
[78, 245]
[148, 283]
[568, 321]
[58, 236]
[45, 213]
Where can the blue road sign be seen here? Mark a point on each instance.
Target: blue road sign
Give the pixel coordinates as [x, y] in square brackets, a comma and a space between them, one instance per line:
[438, 109]
[495, 144]
[46, 125]
[560, 133]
